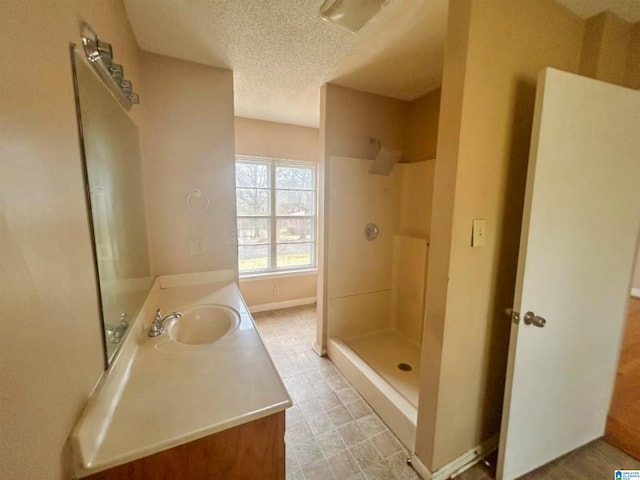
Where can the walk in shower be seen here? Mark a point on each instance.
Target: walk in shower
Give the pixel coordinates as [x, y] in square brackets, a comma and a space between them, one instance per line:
[377, 250]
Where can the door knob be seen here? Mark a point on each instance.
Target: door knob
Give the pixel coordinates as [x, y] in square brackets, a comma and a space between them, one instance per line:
[531, 318]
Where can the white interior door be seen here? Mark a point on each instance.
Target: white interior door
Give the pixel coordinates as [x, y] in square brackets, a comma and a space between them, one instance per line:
[579, 235]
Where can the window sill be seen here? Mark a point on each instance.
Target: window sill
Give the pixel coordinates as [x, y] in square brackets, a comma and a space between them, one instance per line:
[249, 277]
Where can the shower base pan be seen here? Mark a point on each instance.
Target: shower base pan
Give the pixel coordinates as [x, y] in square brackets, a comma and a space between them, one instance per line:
[384, 367]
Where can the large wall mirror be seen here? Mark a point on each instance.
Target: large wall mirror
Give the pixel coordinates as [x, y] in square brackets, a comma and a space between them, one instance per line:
[113, 176]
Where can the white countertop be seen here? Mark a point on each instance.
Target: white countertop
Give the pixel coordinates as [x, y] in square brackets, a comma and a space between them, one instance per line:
[171, 396]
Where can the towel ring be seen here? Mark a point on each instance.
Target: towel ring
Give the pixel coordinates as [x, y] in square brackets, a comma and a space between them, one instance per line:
[197, 200]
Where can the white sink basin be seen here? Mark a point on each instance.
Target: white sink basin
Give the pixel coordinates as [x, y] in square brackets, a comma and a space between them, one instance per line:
[203, 324]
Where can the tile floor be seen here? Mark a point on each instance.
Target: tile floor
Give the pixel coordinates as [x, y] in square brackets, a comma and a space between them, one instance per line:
[331, 433]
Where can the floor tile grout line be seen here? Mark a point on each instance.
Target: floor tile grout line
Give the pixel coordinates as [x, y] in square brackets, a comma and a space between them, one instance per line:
[296, 360]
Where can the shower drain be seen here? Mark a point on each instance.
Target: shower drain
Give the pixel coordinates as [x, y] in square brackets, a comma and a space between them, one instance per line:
[405, 367]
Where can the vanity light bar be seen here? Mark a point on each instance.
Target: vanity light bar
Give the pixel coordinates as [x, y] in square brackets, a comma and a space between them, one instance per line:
[117, 72]
[100, 57]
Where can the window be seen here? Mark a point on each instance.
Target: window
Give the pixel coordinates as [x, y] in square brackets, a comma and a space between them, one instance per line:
[276, 201]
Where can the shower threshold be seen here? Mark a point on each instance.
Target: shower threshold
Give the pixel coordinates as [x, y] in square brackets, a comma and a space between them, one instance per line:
[384, 368]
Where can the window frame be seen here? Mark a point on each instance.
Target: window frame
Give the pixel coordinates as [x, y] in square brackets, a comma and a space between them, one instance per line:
[273, 217]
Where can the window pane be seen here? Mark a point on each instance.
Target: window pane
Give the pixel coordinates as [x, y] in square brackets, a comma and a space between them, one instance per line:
[252, 175]
[295, 177]
[252, 258]
[294, 202]
[295, 255]
[295, 230]
[253, 230]
[252, 201]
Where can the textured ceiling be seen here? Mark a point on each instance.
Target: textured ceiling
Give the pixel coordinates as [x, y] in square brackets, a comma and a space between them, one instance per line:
[627, 9]
[281, 51]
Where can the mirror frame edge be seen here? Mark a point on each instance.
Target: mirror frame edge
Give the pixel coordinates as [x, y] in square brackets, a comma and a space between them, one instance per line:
[85, 182]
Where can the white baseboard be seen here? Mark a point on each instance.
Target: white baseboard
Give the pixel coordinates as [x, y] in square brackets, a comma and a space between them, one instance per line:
[321, 351]
[460, 464]
[285, 304]
[635, 292]
[419, 467]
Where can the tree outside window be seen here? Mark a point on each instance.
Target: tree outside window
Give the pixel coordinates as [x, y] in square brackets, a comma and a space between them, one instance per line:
[276, 204]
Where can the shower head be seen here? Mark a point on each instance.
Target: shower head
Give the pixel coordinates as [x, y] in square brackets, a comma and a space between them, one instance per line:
[385, 161]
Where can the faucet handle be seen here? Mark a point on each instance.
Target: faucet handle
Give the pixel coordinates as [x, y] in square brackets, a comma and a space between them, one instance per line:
[156, 326]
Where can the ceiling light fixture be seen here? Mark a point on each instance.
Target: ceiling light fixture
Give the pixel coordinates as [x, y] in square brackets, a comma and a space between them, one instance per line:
[350, 14]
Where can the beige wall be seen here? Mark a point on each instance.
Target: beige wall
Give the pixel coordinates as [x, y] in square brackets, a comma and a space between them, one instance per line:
[187, 143]
[633, 60]
[51, 352]
[421, 127]
[636, 275]
[611, 50]
[265, 291]
[353, 117]
[453, 83]
[277, 140]
[494, 51]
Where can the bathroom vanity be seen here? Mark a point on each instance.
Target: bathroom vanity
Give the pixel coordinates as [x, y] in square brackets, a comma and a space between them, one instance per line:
[186, 407]
[252, 450]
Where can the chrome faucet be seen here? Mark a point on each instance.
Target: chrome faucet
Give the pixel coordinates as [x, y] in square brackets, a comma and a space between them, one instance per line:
[159, 322]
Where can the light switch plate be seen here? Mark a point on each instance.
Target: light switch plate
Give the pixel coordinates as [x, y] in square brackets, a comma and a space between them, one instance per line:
[479, 236]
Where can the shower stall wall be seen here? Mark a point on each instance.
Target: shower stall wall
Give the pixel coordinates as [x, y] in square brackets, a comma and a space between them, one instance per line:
[375, 288]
